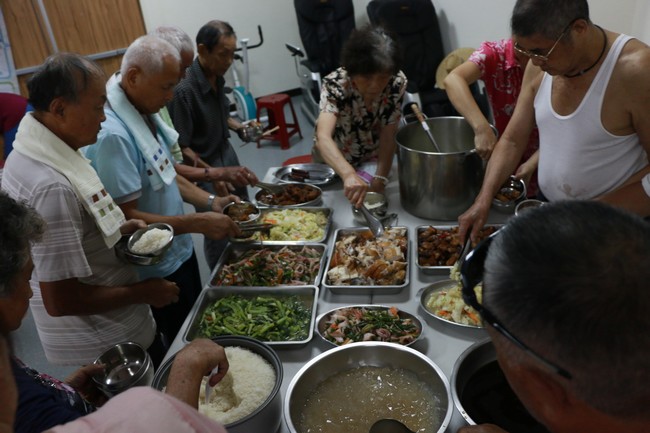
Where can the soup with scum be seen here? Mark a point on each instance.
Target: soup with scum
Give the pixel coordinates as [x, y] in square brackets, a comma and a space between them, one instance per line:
[352, 401]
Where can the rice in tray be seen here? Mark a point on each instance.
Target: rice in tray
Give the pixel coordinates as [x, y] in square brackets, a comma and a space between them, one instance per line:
[248, 383]
[152, 240]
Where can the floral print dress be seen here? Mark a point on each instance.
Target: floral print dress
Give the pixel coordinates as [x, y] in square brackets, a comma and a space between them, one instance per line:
[357, 129]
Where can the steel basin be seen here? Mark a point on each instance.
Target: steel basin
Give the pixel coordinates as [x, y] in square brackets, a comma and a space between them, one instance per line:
[378, 354]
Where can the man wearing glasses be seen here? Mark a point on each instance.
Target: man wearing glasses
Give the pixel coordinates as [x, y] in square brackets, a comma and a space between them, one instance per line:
[587, 90]
[567, 311]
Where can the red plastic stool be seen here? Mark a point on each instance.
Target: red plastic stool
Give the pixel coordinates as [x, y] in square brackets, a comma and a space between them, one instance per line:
[300, 159]
[274, 105]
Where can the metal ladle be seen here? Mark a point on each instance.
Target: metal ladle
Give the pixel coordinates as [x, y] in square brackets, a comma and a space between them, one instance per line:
[388, 425]
[375, 225]
[425, 126]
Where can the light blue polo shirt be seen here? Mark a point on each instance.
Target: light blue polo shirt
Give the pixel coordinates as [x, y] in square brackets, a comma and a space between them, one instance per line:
[121, 167]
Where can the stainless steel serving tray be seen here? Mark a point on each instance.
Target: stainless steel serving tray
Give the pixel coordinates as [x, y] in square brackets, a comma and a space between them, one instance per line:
[365, 289]
[308, 295]
[264, 211]
[319, 174]
[436, 270]
[234, 251]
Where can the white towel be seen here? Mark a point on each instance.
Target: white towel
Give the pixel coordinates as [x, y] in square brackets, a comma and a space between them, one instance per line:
[37, 142]
[159, 168]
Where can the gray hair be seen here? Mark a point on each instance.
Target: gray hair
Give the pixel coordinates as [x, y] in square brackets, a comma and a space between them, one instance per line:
[175, 36]
[147, 53]
[571, 279]
[20, 225]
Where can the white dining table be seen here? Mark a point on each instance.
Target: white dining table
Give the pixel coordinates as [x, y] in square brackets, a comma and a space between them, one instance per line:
[442, 342]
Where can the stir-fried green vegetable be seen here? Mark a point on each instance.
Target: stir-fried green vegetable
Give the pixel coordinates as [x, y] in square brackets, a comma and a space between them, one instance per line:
[264, 317]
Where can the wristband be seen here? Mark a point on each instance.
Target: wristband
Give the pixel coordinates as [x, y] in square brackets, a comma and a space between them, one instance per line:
[364, 175]
[211, 200]
[207, 174]
[383, 179]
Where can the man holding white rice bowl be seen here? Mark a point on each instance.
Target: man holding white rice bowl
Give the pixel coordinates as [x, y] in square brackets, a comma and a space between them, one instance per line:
[85, 299]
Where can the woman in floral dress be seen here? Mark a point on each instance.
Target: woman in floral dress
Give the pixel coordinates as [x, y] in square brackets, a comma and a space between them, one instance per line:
[360, 108]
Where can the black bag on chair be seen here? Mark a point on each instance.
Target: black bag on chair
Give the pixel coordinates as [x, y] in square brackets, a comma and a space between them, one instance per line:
[414, 25]
[324, 26]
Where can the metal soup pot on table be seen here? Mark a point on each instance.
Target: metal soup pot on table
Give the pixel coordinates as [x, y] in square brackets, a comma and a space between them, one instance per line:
[438, 185]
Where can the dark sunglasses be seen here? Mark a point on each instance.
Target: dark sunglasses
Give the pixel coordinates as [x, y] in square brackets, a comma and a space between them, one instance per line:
[471, 274]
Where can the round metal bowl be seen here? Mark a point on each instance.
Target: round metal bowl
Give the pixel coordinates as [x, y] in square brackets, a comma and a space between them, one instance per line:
[376, 354]
[265, 199]
[140, 232]
[511, 192]
[434, 290]
[243, 212]
[127, 365]
[376, 203]
[321, 321]
[527, 205]
[482, 394]
[268, 416]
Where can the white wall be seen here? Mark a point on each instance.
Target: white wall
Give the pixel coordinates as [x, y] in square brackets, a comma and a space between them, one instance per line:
[464, 23]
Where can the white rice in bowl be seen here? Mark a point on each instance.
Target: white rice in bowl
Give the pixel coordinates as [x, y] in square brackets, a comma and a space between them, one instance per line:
[150, 241]
[248, 383]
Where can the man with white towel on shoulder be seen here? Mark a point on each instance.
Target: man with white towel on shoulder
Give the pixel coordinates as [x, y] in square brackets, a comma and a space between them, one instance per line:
[85, 299]
[133, 159]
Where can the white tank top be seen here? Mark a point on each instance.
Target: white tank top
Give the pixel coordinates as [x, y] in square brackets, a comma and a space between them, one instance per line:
[579, 158]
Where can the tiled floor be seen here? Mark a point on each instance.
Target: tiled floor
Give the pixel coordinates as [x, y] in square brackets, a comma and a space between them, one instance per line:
[26, 343]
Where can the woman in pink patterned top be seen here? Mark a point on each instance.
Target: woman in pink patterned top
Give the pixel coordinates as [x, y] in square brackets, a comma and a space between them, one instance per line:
[501, 68]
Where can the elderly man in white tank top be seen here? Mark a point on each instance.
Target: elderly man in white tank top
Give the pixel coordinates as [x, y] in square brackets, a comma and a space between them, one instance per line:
[586, 89]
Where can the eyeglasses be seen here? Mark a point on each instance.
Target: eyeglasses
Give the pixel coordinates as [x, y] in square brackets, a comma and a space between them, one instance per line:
[544, 57]
[471, 274]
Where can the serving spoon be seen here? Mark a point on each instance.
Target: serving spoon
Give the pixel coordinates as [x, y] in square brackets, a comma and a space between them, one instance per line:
[388, 425]
[270, 187]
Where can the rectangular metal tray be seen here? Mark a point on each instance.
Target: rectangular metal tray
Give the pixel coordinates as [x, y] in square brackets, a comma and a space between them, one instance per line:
[307, 294]
[265, 210]
[361, 289]
[234, 251]
[436, 270]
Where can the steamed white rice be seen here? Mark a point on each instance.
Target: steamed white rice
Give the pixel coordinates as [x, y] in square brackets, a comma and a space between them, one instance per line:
[152, 240]
[248, 383]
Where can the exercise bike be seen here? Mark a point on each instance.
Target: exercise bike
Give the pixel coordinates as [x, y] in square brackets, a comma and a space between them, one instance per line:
[246, 108]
